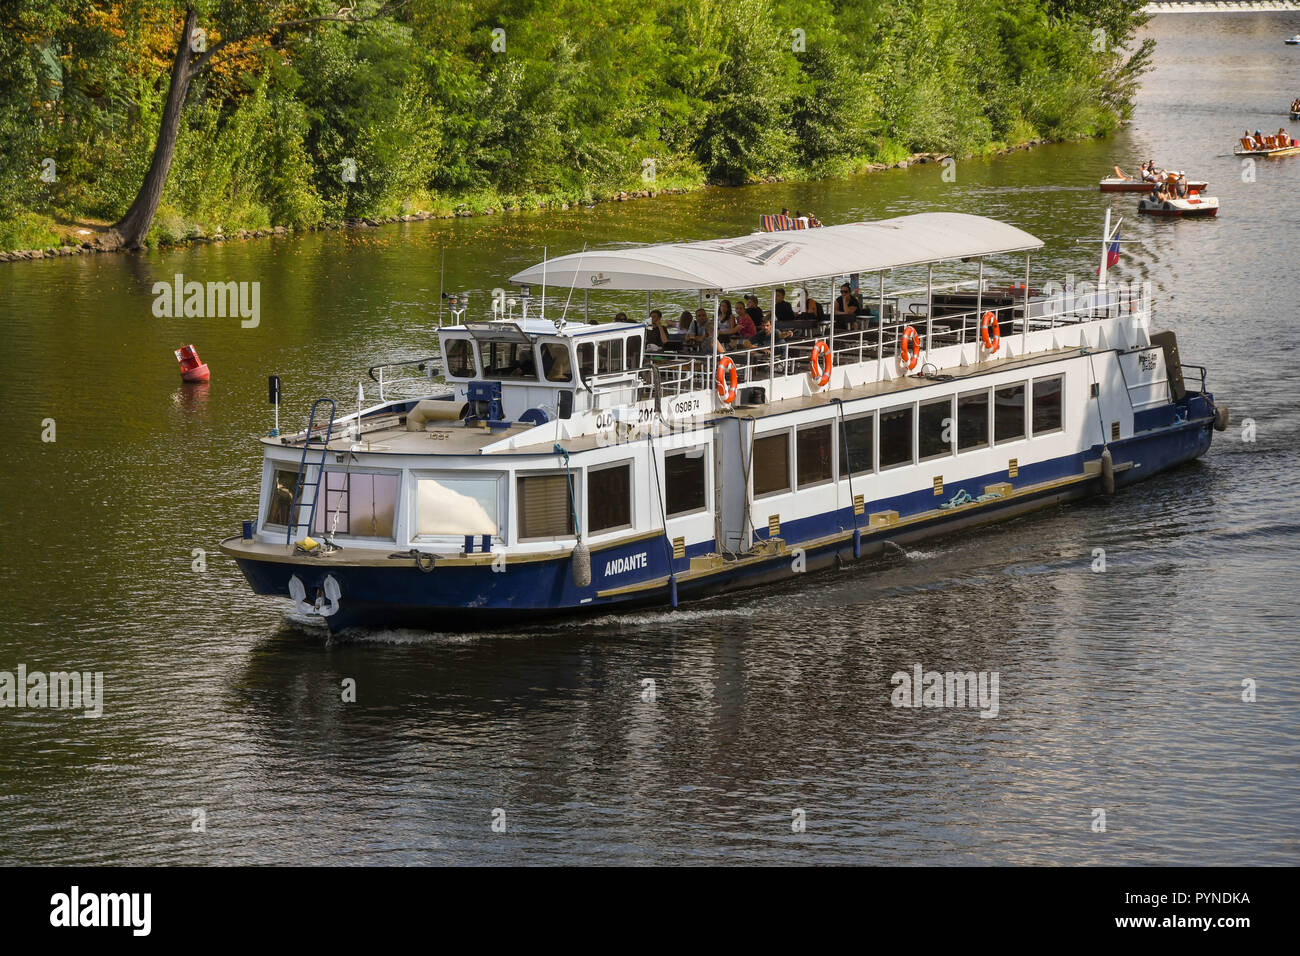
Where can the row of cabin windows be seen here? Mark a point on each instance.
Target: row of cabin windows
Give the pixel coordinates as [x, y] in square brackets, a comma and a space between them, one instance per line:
[513, 360]
[366, 505]
[909, 434]
[544, 500]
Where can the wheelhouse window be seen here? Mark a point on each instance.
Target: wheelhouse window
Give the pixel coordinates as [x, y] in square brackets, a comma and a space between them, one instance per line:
[556, 364]
[634, 352]
[1009, 412]
[858, 446]
[611, 356]
[771, 464]
[934, 429]
[284, 484]
[813, 455]
[896, 437]
[507, 360]
[460, 358]
[609, 498]
[1047, 404]
[545, 510]
[358, 504]
[456, 506]
[587, 360]
[684, 482]
[973, 420]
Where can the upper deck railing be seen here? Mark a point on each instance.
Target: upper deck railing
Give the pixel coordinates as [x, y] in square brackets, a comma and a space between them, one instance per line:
[874, 341]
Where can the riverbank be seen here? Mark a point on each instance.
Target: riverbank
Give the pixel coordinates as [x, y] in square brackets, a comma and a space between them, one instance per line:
[83, 233]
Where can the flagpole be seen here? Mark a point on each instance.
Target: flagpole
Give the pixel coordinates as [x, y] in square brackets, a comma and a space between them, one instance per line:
[1105, 254]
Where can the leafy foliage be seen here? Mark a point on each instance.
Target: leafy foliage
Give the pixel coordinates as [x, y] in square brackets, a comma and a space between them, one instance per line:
[488, 102]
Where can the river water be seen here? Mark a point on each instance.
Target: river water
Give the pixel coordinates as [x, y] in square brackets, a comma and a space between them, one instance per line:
[1119, 691]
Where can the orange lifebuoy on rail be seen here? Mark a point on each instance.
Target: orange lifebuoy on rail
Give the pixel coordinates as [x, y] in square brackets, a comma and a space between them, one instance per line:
[910, 348]
[990, 332]
[728, 379]
[821, 351]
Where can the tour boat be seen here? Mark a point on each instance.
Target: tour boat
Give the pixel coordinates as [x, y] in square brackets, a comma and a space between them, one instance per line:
[1113, 184]
[1190, 206]
[561, 466]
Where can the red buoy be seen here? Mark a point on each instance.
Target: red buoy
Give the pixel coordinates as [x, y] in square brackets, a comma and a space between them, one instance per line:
[192, 369]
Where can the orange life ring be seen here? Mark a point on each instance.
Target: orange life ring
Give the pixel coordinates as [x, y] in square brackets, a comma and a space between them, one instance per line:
[990, 332]
[910, 347]
[820, 375]
[727, 379]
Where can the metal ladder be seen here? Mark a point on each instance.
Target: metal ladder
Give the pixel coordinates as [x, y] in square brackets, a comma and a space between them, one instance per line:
[296, 506]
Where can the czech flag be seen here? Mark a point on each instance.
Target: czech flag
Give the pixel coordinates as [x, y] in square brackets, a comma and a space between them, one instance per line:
[1112, 253]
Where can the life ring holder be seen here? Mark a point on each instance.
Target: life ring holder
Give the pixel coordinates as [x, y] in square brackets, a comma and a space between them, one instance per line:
[909, 348]
[727, 379]
[820, 375]
[990, 332]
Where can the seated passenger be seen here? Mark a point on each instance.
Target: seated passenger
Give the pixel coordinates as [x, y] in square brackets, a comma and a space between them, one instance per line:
[812, 309]
[753, 309]
[742, 329]
[846, 308]
[783, 311]
[658, 333]
[725, 317]
[621, 317]
[1147, 173]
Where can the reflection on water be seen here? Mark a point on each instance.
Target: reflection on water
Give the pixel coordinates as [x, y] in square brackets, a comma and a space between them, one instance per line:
[1119, 690]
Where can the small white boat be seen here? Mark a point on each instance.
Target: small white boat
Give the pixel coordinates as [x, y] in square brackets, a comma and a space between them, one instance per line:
[1292, 41]
[1192, 205]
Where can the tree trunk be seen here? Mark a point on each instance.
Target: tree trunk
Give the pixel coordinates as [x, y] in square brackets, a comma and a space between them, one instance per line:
[131, 229]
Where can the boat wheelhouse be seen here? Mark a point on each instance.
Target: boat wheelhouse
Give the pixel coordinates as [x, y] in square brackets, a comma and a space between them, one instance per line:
[562, 466]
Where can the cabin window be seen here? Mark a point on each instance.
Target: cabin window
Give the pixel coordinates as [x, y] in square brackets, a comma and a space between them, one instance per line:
[684, 482]
[1009, 412]
[634, 352]
[460, 358]
[859, 445]
[973, 420]
[611, 356]
[813, 455]
[556, 364]
[358, 504]
[285, 483]
[934, 429]
[545, 509]
[609, 498]
[456, 506]
[1047, 404]
[587, 360]
[507, 360]
[896, 434]
[771, 464]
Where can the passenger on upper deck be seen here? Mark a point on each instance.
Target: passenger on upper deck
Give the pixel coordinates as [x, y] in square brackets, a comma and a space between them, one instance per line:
[658, 333]
[742, 328]
[783, 311]
[726, 319]
[846, 307]
[753, 309]
[621, 317]
[812, 308]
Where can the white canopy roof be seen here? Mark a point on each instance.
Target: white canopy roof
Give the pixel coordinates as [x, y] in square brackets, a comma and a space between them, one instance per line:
[777, 258]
